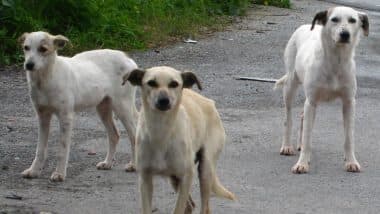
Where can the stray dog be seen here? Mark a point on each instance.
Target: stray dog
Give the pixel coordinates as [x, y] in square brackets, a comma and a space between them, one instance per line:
[61, 86]
[321, 58]
[176, 128]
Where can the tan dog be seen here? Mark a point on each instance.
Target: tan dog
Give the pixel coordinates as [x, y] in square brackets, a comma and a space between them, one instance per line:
[176, 128]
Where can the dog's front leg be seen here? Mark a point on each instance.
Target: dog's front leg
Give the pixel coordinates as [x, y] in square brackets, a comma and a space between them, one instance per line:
[183, 192]
[302, 166]
[65, 123]
[351, 165]
[44, 118]
[146, 192]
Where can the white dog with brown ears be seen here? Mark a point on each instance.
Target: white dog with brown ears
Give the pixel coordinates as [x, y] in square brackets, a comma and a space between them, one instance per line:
[176, 128]
[321, 58]
[61, 86]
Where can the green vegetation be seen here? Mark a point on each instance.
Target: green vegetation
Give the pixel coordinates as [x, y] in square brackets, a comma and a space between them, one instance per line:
[277, 3]
[119, 24]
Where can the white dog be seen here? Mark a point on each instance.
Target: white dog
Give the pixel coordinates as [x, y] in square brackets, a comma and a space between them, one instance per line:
[61, 86]
[176, 128]
[321, 58]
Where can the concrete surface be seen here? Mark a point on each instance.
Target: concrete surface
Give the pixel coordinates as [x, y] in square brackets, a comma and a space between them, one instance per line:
[373, 5]
[250, 166]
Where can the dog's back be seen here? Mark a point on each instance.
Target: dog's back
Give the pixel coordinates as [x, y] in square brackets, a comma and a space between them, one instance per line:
[204, 119]
[302, 41]
[210, 134]
[114, 61]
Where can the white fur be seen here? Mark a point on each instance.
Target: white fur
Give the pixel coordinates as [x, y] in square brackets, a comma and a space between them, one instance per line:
[62, 85]
[325, 66]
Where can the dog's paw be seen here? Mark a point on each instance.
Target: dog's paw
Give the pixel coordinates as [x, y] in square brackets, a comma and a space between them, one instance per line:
[352, 166]
[300, 168]
[29, 173]
[104, 165]
[287, 150]
[57, 177]
[190, 206]
[130, 167]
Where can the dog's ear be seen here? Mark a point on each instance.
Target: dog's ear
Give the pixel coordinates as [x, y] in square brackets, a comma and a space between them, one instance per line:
[365, 23]
[135, 77]
[189, 79]
[22, 38]
[60, 41]
[319, 18]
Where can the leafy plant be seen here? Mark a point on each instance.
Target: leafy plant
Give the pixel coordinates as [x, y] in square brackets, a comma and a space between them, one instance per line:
[125, 25]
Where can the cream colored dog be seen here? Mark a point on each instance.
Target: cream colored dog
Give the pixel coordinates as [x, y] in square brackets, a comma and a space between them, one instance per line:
[321, 58]
[62, 85]
[176, 128]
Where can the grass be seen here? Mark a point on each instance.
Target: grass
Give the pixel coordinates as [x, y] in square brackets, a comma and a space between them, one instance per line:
[118, 24]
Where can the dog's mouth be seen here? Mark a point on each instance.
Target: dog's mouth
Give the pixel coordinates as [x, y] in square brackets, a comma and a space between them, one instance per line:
[162, 107]
[344, 41]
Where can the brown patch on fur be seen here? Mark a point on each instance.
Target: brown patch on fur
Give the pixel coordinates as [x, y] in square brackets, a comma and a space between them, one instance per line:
[60, 41]
[189, 79]
[320, 18]
[48, 45]
[21, 39]
[134, 77]
[365, 23]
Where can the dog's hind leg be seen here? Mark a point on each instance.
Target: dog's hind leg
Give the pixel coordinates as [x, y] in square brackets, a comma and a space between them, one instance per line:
[65, 124]
[44, 117]
[104, 110]
[190, 203]
[289, 91]
[128, 115]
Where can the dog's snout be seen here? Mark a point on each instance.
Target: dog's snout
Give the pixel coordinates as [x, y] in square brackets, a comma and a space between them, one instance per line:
[29, 66]
[163, 103]
[344, 36]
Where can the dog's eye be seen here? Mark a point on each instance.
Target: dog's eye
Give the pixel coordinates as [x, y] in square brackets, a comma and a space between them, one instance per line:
[152, 83]
[42, 49]
[173, 84]
[26, 48]
[335, 20]
[352, 20]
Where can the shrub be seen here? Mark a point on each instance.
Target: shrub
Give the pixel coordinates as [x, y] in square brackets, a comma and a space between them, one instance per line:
[119, 24]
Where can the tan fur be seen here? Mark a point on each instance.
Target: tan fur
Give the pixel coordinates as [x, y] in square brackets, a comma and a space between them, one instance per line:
[168, 141]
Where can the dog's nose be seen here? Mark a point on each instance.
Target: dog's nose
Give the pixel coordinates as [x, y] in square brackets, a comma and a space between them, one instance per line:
[163, 104]
[29, 66]
[344, 36]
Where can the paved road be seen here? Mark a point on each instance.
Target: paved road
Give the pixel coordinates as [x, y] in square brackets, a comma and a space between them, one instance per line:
[373, 5]
[252, 113]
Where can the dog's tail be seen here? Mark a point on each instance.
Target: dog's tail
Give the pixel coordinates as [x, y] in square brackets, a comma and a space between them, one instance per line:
[221, 191]
[280, 82]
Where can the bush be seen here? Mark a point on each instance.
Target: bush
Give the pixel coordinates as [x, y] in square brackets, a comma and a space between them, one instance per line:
[119, 24]
[277, 3]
